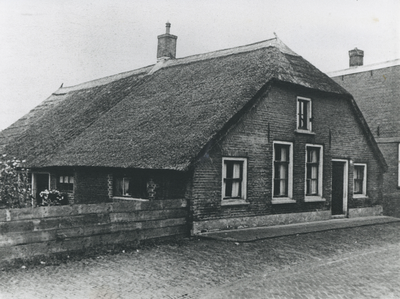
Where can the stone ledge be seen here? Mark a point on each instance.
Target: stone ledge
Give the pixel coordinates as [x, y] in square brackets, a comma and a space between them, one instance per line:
[258, 221]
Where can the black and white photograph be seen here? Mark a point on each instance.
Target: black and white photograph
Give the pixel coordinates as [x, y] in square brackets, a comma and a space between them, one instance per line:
[199, 149]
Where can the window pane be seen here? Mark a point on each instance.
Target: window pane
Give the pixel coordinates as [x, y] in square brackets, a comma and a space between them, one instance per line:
[235, 189]
[303, 115]
[283, 171]
[312, 155]
[236, 170]
[314, 172]
[228, 188]
[358, 179]
[126, 191]
[229, 170]
[357, 187]
[283, 188]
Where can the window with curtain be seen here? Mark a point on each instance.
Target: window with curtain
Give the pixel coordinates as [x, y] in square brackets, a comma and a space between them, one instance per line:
[127, 185]
[281, 169]
[122, 187]
[234, 178]
[313, 165]
[359, 179]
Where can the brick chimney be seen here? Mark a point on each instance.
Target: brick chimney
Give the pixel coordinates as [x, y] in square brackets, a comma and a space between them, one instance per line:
[356, 57]
[166, 44]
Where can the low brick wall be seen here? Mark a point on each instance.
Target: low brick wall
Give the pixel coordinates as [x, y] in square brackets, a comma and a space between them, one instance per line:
[27, 232]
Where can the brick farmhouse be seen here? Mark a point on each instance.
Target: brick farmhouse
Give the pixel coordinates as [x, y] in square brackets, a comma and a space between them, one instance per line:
[250, 136]
[376, 89]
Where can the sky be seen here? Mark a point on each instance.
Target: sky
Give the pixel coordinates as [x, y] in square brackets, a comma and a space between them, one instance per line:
[46, 43]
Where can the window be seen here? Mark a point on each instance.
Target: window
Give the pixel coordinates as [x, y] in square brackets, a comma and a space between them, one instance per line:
[128, 186]
[234, 178]
[314, 163]
[360, 180]
[304, 117]
[282, 172]
[66, 183]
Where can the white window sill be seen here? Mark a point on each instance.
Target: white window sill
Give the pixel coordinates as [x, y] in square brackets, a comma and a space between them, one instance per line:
[314, 198]
[282, 200]
[129, 198]
[360, 196]
[304, 132]
[234, 202]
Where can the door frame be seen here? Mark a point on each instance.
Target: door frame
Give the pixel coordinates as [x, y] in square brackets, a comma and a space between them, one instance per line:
[345, 185]
[34, 181]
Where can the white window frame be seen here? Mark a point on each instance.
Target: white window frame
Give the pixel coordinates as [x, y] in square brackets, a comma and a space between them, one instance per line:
[234, 201]
[289, 198]
[364, 187]
[318, 197]
[398, 165]
[309, 118]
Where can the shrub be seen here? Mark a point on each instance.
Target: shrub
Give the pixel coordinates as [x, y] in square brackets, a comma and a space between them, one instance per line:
[15, 185]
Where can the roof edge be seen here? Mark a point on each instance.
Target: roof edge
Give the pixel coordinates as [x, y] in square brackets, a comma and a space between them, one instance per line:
[103, 80]
[273, 42]
[149, 70]
[364, 68]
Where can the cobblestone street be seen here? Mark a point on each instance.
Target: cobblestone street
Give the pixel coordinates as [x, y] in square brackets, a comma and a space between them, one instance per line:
[361, 262]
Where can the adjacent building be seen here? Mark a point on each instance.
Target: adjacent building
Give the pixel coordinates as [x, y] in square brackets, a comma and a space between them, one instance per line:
[376, 89]
[250, 136]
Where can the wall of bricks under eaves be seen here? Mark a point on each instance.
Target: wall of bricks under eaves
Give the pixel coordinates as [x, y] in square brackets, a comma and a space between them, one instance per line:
[335, 128]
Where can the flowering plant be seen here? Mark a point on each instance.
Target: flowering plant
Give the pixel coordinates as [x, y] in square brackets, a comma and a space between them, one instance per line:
[51, 198]
[15, 187]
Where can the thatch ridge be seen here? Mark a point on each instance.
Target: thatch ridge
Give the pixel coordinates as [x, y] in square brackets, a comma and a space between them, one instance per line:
[161, 119]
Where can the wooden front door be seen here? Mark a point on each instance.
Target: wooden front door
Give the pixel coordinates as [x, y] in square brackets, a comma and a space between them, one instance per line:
[338, 191]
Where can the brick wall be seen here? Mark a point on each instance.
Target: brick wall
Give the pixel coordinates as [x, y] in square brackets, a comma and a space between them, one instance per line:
[391, 200]
[91, 185]
[273, 118]
[377, 94]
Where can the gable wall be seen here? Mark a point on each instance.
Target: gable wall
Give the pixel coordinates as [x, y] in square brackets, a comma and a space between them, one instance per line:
[250, 138]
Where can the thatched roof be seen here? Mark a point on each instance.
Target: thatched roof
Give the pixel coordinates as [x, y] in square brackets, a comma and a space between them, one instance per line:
[161, 116]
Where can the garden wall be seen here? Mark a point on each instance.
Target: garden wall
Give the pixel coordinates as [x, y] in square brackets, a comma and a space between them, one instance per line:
[27, 232]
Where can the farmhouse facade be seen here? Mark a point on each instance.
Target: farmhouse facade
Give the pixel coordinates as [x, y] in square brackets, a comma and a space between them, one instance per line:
[376, 89]
[249, 136]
